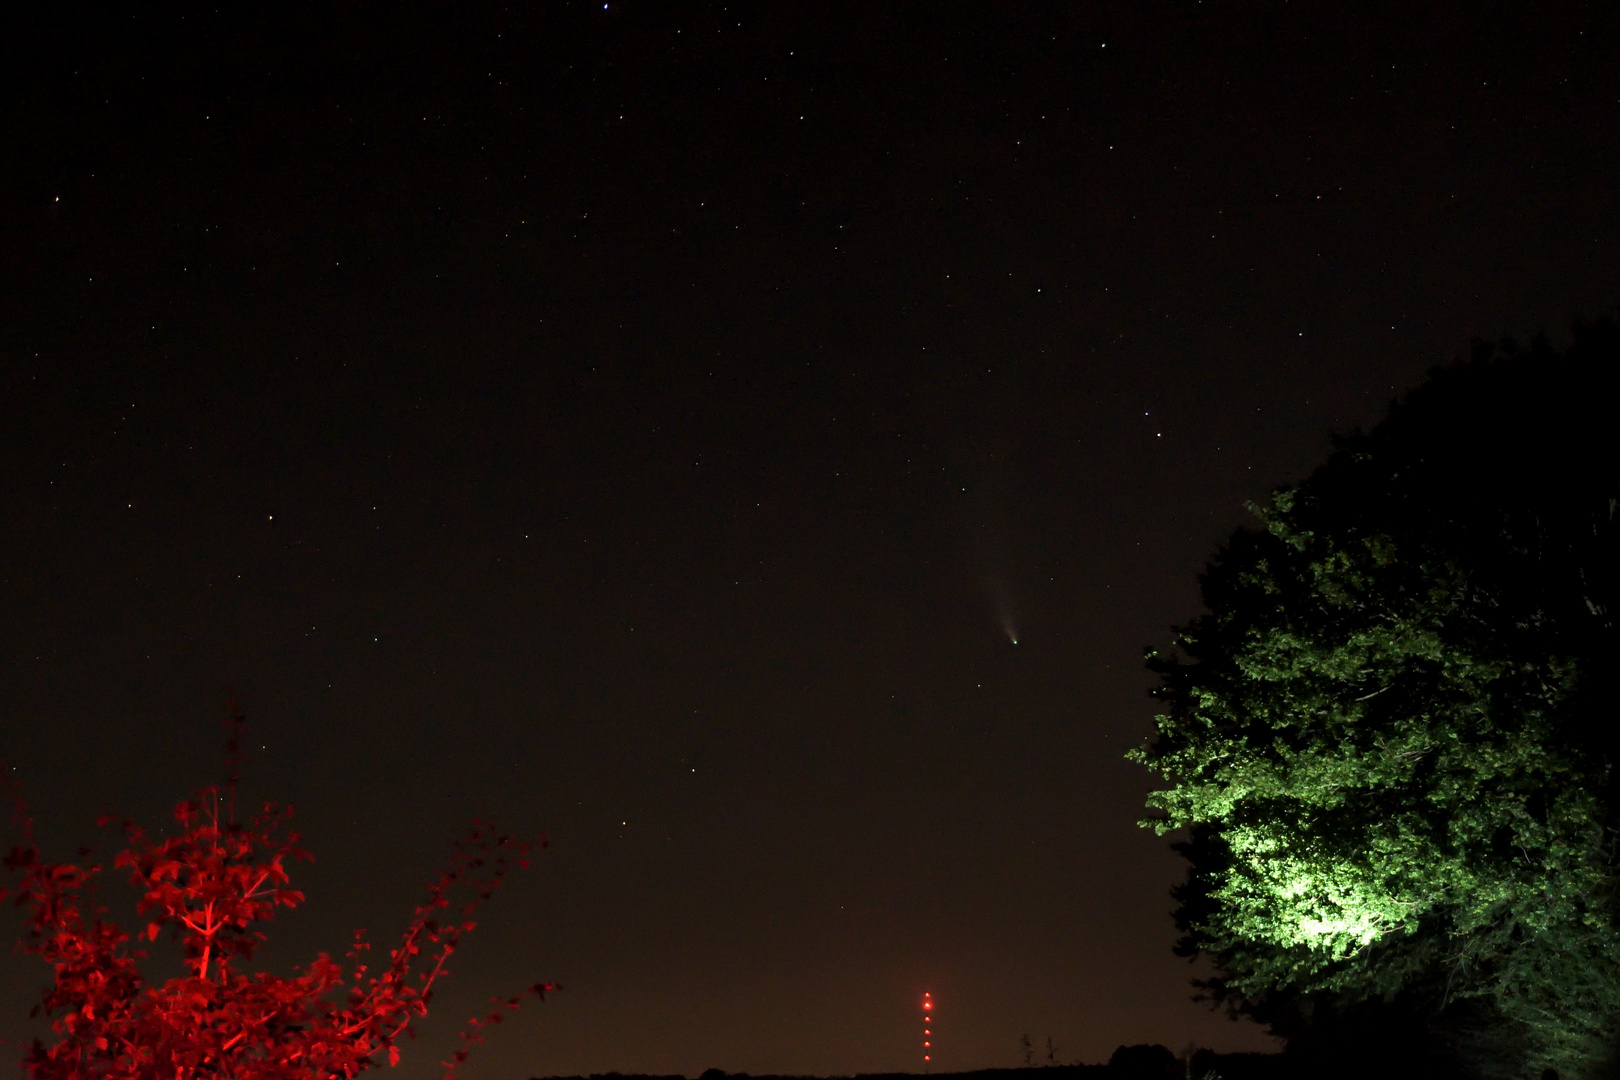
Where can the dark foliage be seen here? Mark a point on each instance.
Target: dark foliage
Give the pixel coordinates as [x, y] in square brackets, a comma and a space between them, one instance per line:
[1144, 1062]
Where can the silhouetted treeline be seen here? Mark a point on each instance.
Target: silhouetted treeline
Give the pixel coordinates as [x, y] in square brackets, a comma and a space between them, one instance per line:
[1127, 1063]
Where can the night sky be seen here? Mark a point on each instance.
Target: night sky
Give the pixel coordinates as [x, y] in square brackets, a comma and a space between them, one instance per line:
[750, 443]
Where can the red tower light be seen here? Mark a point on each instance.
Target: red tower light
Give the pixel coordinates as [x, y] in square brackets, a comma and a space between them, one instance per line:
[928, 1029]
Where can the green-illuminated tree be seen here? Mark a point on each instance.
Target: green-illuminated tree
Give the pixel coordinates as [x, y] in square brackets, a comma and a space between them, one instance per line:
[1392, 733]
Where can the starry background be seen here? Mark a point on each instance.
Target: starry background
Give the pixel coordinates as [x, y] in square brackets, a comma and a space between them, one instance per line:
[652, 424]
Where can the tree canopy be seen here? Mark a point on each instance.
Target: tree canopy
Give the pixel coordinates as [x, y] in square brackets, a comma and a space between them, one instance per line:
[209, 885]
[1391, 735]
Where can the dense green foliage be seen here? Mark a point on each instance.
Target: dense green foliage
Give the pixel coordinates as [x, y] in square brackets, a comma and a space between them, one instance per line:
[1391, 735]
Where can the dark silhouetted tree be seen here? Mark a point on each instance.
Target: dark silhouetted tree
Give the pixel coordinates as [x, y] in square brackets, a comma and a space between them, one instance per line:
[1392, 736]
[1144, 1061]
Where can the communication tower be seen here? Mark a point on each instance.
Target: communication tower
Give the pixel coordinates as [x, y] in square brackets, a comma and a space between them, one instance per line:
[928, 1030]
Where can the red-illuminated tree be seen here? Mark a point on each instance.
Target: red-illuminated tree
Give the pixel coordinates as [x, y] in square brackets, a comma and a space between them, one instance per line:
[208, 887]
